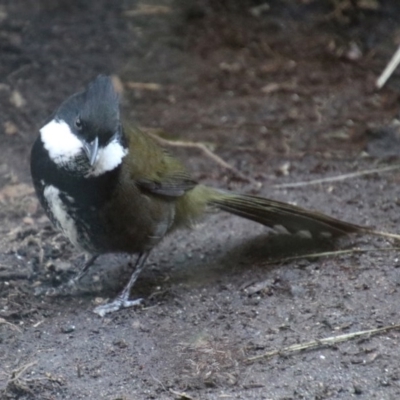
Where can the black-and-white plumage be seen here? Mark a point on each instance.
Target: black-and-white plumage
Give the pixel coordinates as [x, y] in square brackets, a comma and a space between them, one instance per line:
[115, 191]
[75, 163]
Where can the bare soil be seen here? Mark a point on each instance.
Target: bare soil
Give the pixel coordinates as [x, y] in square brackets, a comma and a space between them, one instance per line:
[284, 95]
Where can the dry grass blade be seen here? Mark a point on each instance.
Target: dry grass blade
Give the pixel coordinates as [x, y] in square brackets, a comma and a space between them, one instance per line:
[388, 71]
[151, 86]
[336, 178]
[317, 343]
[384, 234]
[329, 254]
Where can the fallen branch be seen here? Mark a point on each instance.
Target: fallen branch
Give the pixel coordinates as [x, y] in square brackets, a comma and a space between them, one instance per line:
[317, 343]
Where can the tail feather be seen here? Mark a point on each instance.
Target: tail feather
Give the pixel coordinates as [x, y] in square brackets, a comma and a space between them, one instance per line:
[275, 213]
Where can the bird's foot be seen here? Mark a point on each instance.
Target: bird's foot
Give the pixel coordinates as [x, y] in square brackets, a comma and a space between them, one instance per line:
[119, 303]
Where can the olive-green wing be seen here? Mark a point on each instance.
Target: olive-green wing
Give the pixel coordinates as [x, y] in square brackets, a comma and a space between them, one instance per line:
[172, 185]
[153, 169]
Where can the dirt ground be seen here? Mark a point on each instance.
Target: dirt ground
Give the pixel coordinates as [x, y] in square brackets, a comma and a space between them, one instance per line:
[284, 95]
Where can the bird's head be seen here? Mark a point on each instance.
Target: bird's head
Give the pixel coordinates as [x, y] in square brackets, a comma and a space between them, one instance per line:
[85, 135]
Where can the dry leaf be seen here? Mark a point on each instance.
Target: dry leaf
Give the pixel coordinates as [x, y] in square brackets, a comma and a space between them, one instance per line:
[3, 15]
[232, 67]
[28, 221]
[17, 99]
[10, 192]
[368, 4]
[144, 86]
[10, 128]
[277, 87]
[259, 10]
[284, 169]
[117, 83]
[147, 9]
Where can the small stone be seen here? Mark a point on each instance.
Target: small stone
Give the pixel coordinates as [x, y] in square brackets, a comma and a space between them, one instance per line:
[28, 221]
[17, 99]
[121, 343]
[68, 329]
[10, 128]
[62, 266]
[259, 10]
[99, 300]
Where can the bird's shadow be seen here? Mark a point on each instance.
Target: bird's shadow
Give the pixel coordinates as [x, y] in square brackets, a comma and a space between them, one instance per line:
[263, 252]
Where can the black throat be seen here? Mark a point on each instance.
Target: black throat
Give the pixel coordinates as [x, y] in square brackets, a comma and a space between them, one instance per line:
[88, 192]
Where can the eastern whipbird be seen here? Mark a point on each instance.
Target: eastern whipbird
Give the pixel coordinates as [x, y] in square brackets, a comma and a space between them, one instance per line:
[111, 190]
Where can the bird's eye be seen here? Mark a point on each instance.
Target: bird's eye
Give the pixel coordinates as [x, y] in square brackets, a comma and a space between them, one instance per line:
[78, 124]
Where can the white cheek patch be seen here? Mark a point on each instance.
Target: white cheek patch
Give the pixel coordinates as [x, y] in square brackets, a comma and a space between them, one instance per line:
[63, 146]
[60, 142]
[109, 158]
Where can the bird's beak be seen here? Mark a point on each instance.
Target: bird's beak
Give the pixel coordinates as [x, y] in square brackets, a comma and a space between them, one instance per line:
[91, 150]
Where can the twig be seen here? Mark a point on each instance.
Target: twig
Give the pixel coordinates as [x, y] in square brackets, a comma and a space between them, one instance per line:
[383, 234]
[17, 373]
[313, 344]
[13, 276]
[329, 253]
[336, 178]
[181, 395]
[3, 321]
[388, 71]
[159, 382]
[202, 147]
[16, 378]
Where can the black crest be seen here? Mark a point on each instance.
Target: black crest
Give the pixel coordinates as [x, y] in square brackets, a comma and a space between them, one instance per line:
[101, 105]
[93, 112]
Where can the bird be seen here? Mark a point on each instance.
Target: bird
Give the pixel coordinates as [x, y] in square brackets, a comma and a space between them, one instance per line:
[116, 190]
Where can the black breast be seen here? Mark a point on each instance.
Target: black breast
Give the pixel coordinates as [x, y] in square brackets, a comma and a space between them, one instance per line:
[82, 198]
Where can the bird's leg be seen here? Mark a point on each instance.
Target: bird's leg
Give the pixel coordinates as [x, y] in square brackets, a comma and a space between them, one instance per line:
[122, 301]
[83, 270]
[69, 287]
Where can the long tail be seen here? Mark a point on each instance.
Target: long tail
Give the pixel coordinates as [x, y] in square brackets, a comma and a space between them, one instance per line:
[274, 213]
